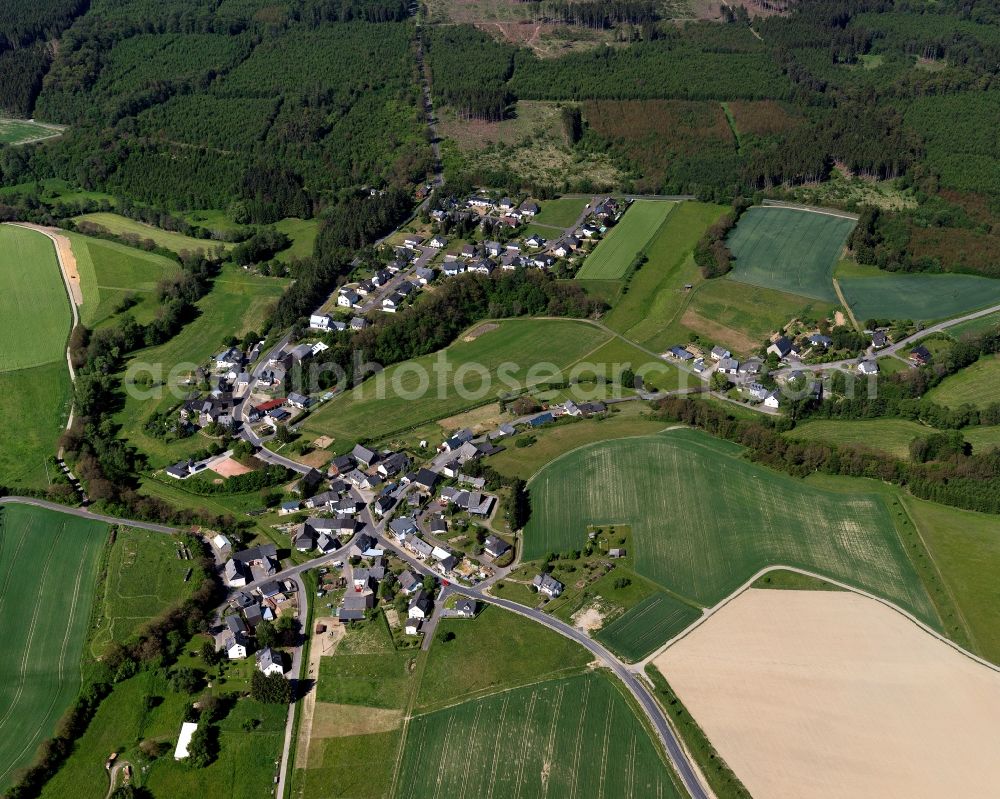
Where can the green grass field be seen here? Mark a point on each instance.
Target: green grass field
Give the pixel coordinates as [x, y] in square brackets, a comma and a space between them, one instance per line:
[571, 737]
[238, 302]
[144, 576]
[411, 393]
[613, 256]
[656, 297]
[35, 404]
[302, 232]
[111, 272]
[15, 131]
[919, 297]
[244, 766]
[48, 567]
[983, 438]
[886, 435]
[494, 652]
[177, 242]
[975, 326]
[35, 321]
[741, 316]
[367, 669]
[789, 250]
[646, 626]
[550, 443]
[965, 548]
[977, 385]
[34, 309]
[704, 520]
[561, 213]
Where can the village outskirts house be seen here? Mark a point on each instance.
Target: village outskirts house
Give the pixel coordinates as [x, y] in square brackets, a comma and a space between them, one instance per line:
[548, 585]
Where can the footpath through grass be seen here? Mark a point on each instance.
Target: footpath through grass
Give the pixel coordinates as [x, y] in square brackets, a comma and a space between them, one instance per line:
[48, 568]
[789, 250]
[613, 256]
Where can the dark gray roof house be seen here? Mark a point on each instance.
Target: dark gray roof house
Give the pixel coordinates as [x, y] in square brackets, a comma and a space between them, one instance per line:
[495, 547]
[363, 455]
[426, 479]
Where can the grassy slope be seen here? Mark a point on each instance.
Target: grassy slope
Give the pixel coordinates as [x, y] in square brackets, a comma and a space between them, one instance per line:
[788, 250]
[571, 737]
[34, 309]
[887, 435]
[237, 303]
[965, 547]
[741, 316]
[34, 382]
[725, 519]
[35, 406]
[110, 271]
[974, 385]
[551, 443]
[616, 252]
[144, 576]
[49, 564]
[366, 411]
[243, 768]
[119, 225]
[302, 232]
[656, 296]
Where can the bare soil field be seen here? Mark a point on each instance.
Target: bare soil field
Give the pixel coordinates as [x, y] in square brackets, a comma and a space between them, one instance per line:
[230, 467]
[832, 694]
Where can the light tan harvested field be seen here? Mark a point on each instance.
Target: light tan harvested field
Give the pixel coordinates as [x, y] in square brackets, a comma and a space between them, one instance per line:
[830, 694]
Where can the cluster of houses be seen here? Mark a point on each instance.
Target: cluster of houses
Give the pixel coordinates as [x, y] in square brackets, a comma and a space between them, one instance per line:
[263, 603]
[383, 291]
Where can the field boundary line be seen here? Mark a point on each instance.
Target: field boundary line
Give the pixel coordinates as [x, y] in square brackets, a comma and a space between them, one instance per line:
[709, 612]
[843, 301]
[812, 209]
[601, 441]
[475, 696]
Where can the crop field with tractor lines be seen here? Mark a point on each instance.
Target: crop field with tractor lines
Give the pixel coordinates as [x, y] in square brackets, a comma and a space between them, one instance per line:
[789, 250]
[574, 737]
[704, 520]
[48, 567]
[646, 626]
